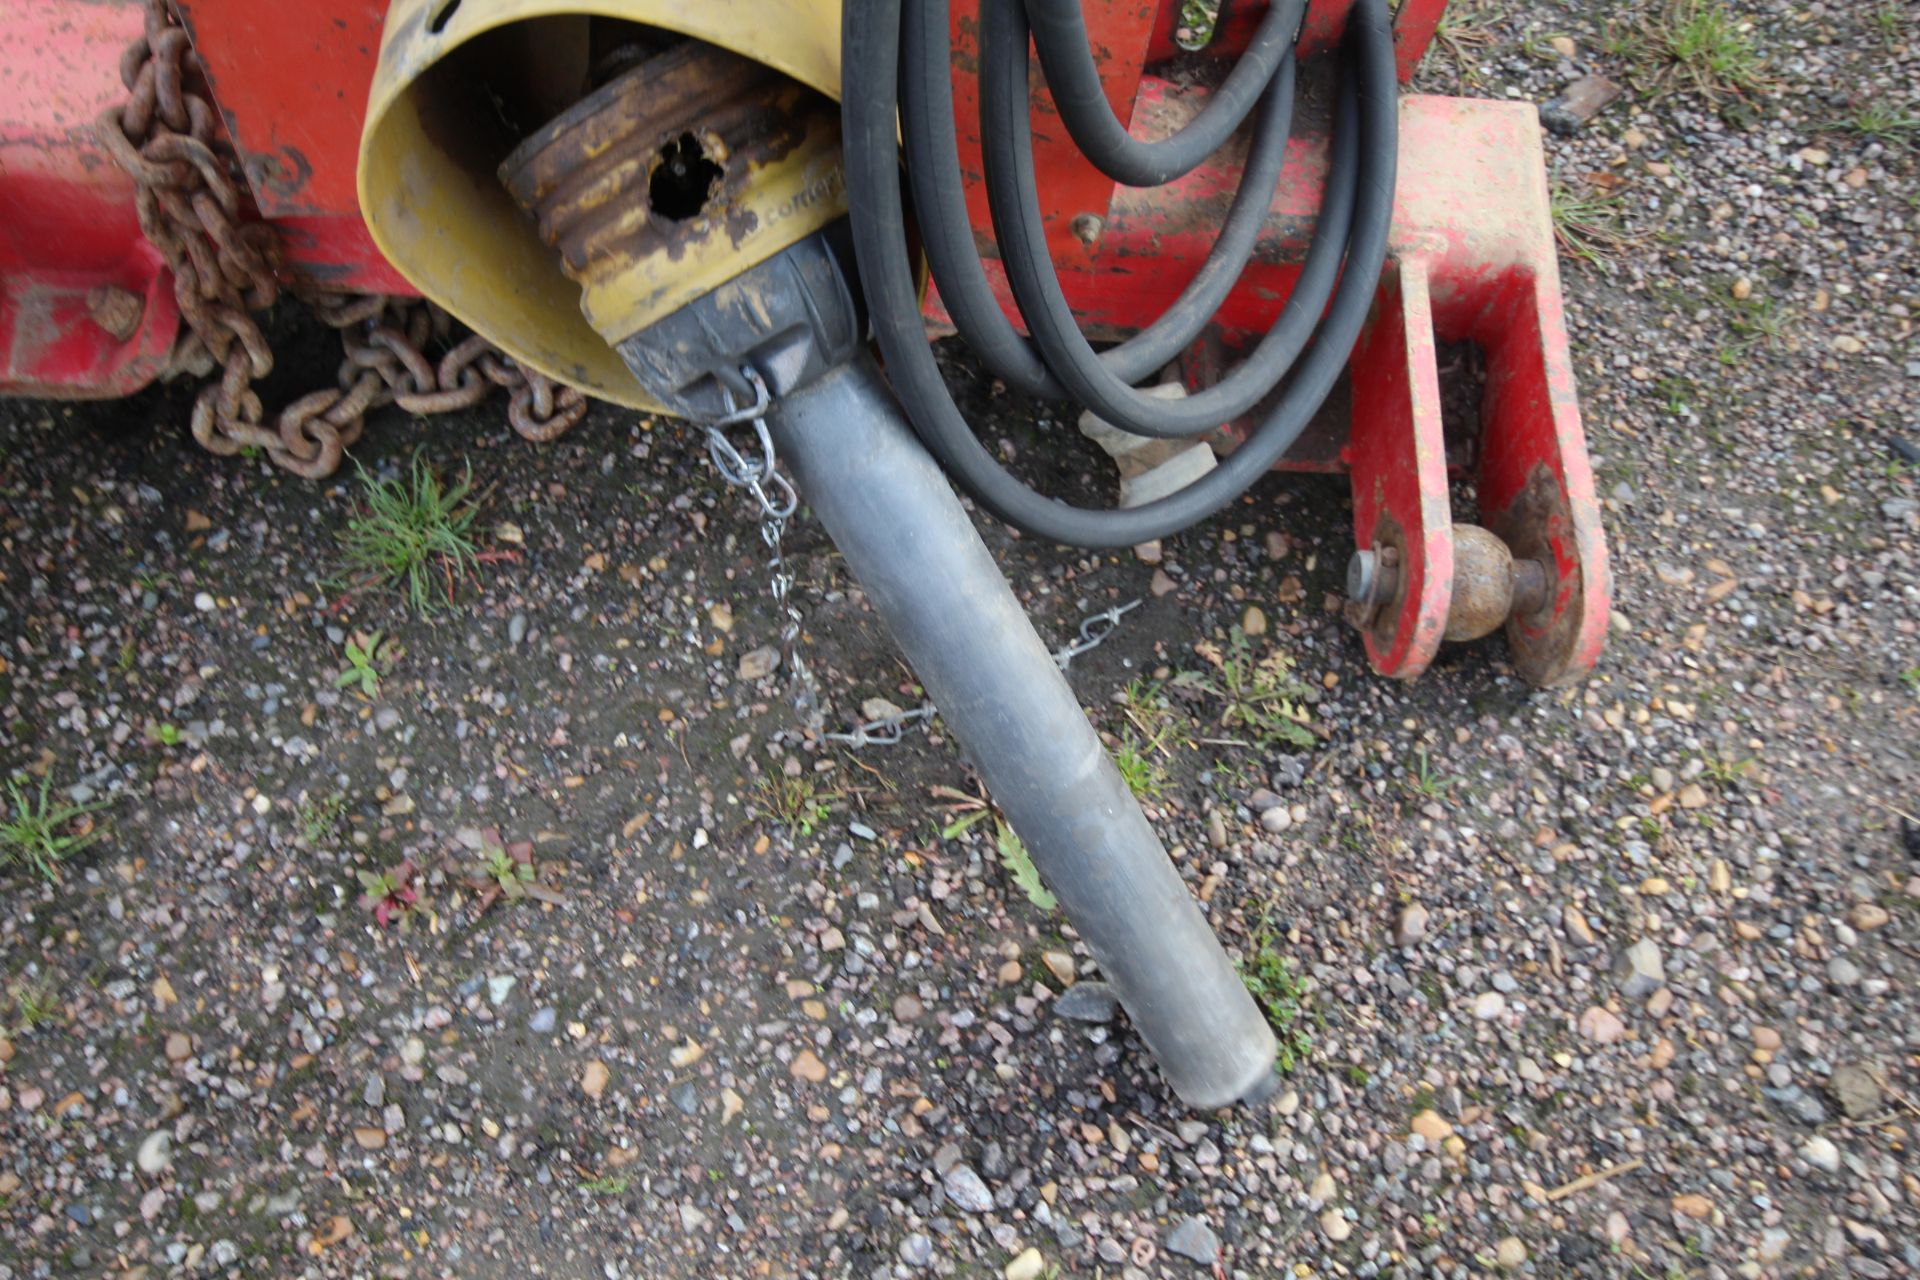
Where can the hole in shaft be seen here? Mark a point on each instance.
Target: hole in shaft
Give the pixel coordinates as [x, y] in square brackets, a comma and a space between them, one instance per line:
[683, 179]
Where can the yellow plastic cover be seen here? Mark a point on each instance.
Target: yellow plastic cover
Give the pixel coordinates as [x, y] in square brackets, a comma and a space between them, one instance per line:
[435, 135]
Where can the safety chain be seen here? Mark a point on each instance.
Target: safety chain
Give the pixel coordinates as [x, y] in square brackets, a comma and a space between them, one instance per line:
[225, 268]
[776, 501]
[888, 730]
[1093, 633]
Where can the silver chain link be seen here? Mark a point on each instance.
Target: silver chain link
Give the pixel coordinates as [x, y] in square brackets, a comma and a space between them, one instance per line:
[774, 495]
[888, 730]
[884, 732]
[1093, 633]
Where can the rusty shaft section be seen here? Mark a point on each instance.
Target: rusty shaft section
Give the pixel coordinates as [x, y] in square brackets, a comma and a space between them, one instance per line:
[675, 177]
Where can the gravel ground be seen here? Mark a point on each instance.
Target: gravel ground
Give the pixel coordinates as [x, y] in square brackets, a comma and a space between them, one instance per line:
[1616, 981]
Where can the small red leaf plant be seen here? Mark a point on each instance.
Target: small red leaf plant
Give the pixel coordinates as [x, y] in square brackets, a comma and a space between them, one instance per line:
[389, 894]
[501, 870]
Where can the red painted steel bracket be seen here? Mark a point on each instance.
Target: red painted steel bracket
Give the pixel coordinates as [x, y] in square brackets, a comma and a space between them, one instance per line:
[86, 304]
[1477, 263]
[1483, 214]
[1397, 460]
[297, 133]
[1474, 261]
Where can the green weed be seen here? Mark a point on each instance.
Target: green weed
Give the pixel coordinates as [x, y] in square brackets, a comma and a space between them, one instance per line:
[508, 873]
[1259, 697]
[319, 815]
[413, 533]
[39, 831]
[1197, 19]
[1724, 772]
[1270, 979]
[1678, 394]
[365, 653]
[35, 1001]
[1019, 864]
[1889, 18]
[796, 803]
[1423, 780]
[612, 1184]
[1758, 321]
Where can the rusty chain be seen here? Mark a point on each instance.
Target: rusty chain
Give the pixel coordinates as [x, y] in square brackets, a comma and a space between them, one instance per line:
[225, 267]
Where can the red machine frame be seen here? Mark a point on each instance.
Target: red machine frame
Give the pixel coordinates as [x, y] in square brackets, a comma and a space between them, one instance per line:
[86, 307]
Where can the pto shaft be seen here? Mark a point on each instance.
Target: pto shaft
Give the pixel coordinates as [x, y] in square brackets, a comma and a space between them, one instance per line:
[931, 579]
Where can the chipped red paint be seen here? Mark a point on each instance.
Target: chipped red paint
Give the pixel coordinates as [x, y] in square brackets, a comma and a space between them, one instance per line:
[67, 226]
[291, 81]
[1398, 464]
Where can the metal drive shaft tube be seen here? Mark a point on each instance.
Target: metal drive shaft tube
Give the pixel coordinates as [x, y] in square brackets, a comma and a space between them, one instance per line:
[911, 545]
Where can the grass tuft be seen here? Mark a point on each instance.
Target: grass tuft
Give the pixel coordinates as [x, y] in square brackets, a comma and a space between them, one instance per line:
[413, 533]
[39, 832]
[1142, 773]
[35, 1001]
[796, 803]
[1588, 223]
[1464, 35]
[1696, 46]
[1270, 979]
[1146, 743]
[1883, 122]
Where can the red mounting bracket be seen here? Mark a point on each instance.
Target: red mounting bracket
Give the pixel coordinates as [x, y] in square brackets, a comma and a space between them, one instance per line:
[1473, 261]
[1476, 262]
[86, 304]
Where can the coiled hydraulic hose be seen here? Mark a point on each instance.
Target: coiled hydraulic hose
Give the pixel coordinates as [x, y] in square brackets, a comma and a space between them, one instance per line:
[939, 198]
[876, 44]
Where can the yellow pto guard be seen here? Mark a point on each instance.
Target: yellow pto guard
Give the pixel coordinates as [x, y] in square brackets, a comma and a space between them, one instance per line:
[460, 83]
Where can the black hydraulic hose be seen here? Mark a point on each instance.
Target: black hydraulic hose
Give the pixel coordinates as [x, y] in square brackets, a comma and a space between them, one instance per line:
[870, 44]
[946, 233]
[1014, 194]
[1060, 37]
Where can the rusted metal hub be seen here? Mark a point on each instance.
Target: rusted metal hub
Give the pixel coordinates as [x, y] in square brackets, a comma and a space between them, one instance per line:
[676, 177]
[1483, 594]
[1489, 585]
